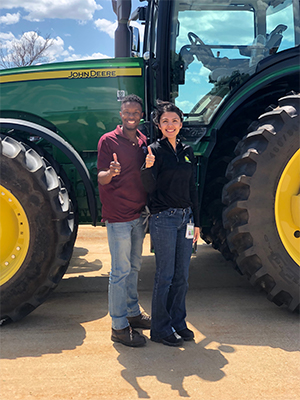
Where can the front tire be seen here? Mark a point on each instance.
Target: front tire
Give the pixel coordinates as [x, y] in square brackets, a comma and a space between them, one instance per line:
[38, 229]
[263, 198]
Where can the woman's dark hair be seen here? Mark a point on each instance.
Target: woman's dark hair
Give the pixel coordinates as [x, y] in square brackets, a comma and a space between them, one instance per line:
[163, 107]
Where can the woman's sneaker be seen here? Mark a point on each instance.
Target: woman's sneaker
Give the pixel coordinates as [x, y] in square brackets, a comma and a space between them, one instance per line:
[128, 337]
[186, 334]
[173, 340]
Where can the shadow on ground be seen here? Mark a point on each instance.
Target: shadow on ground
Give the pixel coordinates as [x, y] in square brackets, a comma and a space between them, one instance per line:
[222, 307]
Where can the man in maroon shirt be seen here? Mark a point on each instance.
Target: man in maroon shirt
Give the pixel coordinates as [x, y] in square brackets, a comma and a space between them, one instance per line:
[121, 153]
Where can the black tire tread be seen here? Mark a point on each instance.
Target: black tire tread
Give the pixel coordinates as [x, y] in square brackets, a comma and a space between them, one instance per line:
[237, 192]
[62, 213]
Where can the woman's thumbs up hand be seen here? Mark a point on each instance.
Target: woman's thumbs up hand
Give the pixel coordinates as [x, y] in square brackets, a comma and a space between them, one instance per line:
[150, 158]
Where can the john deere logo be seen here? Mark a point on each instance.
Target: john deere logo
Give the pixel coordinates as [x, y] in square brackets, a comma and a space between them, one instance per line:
[93, 74]
[104, 73]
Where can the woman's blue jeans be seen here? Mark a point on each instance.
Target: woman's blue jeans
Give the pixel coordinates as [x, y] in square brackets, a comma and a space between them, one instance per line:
[125, 241]
[172, 253]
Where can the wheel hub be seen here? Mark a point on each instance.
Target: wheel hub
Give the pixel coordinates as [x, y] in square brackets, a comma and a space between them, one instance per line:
[14, 235]
[287, 207]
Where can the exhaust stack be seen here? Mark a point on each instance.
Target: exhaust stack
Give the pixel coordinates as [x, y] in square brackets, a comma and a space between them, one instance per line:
[122, 9]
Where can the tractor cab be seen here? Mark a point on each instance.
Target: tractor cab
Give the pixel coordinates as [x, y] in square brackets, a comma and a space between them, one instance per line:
[210, 48]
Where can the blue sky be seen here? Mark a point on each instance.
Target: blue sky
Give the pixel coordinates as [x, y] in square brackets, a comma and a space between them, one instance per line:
[81, 29]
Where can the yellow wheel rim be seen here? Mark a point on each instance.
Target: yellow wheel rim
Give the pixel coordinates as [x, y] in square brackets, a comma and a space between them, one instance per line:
[287, 207]
[14, 235]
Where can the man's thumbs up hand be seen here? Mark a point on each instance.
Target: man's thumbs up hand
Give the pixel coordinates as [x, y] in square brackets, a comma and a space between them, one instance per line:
[115, 167]
[150, 158]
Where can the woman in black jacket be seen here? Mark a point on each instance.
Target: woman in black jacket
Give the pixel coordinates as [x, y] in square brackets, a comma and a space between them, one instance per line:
[168, 177]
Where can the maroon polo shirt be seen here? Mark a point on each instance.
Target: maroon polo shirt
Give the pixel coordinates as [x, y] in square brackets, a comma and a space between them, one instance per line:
[124, 197]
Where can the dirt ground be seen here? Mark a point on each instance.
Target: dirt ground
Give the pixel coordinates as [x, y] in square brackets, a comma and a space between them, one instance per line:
[245, 347]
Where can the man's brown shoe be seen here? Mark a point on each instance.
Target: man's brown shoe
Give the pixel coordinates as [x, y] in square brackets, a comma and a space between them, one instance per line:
[142, 321]
[128, 337]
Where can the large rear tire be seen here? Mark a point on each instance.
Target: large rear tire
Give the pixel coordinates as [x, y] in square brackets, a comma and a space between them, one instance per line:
[38, 229]
[262, 217]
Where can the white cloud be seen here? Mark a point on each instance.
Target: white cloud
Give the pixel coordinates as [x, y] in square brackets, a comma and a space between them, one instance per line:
[109, 27]
[37, 10]
[71, 57]
[184, 105]
[96, 56]
[76, 57]
[56, 50]
[10, 19]
[6, 37]
[106, 26]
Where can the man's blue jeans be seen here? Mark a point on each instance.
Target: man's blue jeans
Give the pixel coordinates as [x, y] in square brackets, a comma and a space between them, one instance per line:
[125, 241]
[172, 253]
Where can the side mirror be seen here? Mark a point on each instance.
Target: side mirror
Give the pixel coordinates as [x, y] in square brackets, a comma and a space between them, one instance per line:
[135, 41]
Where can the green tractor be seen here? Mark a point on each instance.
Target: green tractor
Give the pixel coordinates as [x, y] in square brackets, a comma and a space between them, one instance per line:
[232, 67]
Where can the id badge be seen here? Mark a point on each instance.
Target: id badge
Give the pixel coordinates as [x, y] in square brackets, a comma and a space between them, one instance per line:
[189, 234]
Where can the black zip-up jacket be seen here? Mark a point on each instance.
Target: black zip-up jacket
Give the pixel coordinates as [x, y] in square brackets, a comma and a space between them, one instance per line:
[171, 181]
